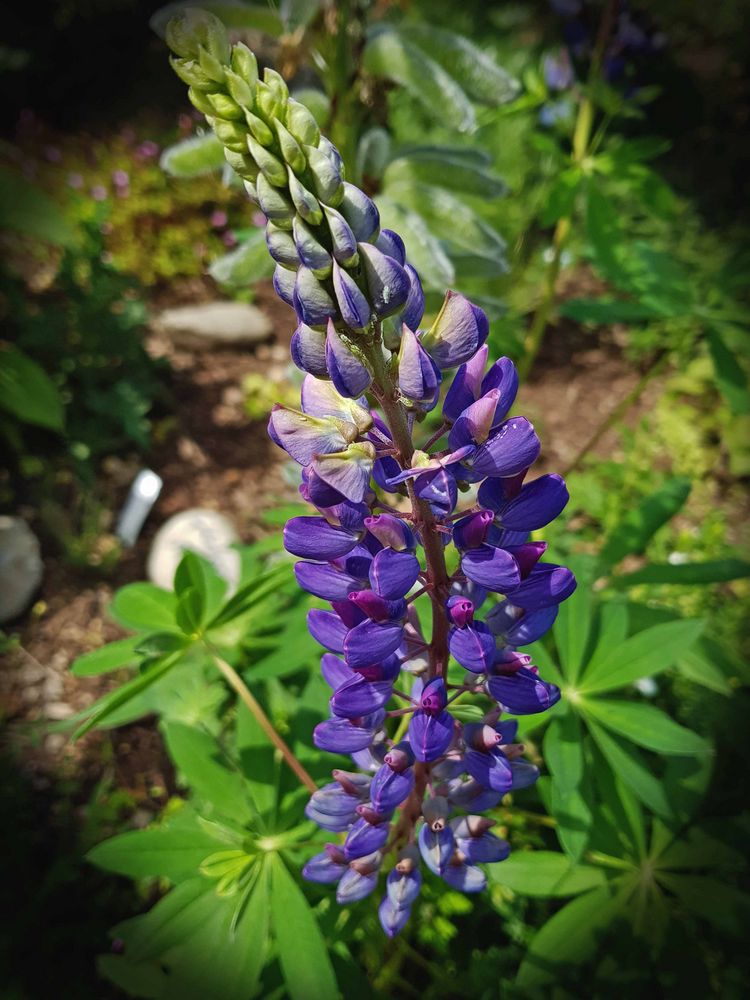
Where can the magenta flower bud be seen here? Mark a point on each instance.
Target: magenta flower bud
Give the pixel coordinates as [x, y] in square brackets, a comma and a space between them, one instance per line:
[527, 555]
[460, 610]
[388, 283]
[371, 815]
[481, 737]
[466, 827]
[508, 661]
[434, 696]
[400, 756]
[471, 531]
[458, 332]
[352, 782]
[391, 531]
[349, 375]
[377, 608]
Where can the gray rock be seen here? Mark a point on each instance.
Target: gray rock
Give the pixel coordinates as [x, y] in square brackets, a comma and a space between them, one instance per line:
[214, 324]
[21, 567]
[205, 532]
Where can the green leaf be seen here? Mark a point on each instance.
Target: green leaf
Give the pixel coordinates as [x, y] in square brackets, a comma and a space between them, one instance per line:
[251, 594]
[562, 196]
[573, 814]
[190, 612]
[257, 759]
[563, 751]
[248, 263]
[569, 937]
[633, 533]
[173, 850]
[629, 767]
[613, 628]
[573, 623]
[441, 168]
[144, 607]
[316, 102]
[697, 849]
[423, 249]
[27, 392]
[25, 209]
[177, 916]
[699, 665]
[233, 13]
[373, 152]
[303, 953]
[196, 572]
[476, 70]
[545, 874]
[605, 311]
[645, 725]
[202, 154]
[730, 374]
[113, 656]
[711, 571]
[390, 54]
[107, 705]
[723, 905]
[642, 655]
[295, 649]
[205, 767]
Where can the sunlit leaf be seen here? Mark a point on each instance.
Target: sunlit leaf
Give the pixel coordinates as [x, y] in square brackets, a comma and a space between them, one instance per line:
[630, 768]
[201, 154]
[645, 725]
[27, 392]
[248, 263]
[113, 656]
[638, 526]
[478, 72]
[145, 607]
[545, 873]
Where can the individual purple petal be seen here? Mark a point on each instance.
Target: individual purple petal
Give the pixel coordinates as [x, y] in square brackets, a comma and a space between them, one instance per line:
[350, 516]
[364, 838]
[518, 628]
[515, 446]
[311, 301]
[392, 245]
[433, 696]
[324, 869]
[538, 503]
[439, 490]
[403, 886]
[316, 491]
[386, 670]
[308, 349]
[324, 580]
[524, 774]
[392, 919]
[458, 331]
[349, 375]
[348, 471]
[327, 628]
[389, 788]
[466, 385]
[344, 242]
[360, 212]
[334, 670]
[370, 642]
[391, 532]
[490, 768]
[436, 848]
[486, 849]
[527, 555]
[357, 697]
[546, 585]
[283, 284]
[523, 693]
[341, 736]
[303, 436]
[332, 808]
[473, 647]
[352, 302]
[430, 735]
[474, 424]
[315, 538]
[492, 568]
[471, 531]
[349, 613]
[418, 378]
[393, 574]
[503, 377]
[354, 886]
[387, 282]
[413, 310]
[465, 878]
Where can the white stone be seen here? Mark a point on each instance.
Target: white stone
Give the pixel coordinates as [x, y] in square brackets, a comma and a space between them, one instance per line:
[21, 567]
[205, 532]
[211, 324]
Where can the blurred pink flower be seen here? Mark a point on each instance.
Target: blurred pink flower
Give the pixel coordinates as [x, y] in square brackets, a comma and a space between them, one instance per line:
[147, 150]
[98, 192]
[75, 181]
[120, 179]
[229, 239]
[218, 219]
[259, 219]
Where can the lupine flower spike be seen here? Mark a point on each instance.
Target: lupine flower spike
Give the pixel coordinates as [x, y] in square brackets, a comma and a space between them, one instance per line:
[414, 803]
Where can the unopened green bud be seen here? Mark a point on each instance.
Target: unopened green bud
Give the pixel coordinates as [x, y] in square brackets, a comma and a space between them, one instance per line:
[276, 83]
[193, 28]
[242, 165]
[258, 129]
[225, 107]
[273, 203]
[200, 101]
[272, 167]
[245, 64]
[190, 73]
[290, 149]
[311, 252]
[252, 191]
[301, 124]
[305, 201]
[267, 101]
[211, 65]
[231, 134]
[326, 177]
[282, 247]
[241, 92]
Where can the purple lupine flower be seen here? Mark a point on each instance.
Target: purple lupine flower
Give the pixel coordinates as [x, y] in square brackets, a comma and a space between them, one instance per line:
[423, 778]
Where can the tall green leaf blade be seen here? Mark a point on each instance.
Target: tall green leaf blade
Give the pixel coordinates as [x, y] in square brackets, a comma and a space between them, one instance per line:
[302, 949]
[28, 393]
[700, 665]
[563, 751]
[645, 725]
[389, 53]
[629, 767]
[634, 532]
[100, 711]
[479, 73]
[730, 374]
[573, 623]
[690, 573]
[194, 157]
[612, 631]
[642, 655]
[723, 905]
[545, 874]
[176, 916]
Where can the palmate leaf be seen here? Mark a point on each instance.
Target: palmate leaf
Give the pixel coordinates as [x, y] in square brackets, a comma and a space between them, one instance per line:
[248, 263]
[633, 533]
[545, 874]
[202, 154]
[563, 752]
[27, 392]
[574, 816]
[707, 663]
[645, 725]
[441, 167]
[477, 71]
[303, 953]
[613, 629]
[389, 53]
[723, 905]
[628, 765]
[642, 655]
[373, 152]
[101, 710]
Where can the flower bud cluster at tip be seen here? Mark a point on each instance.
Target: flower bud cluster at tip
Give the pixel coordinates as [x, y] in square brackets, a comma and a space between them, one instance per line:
[424, 778]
